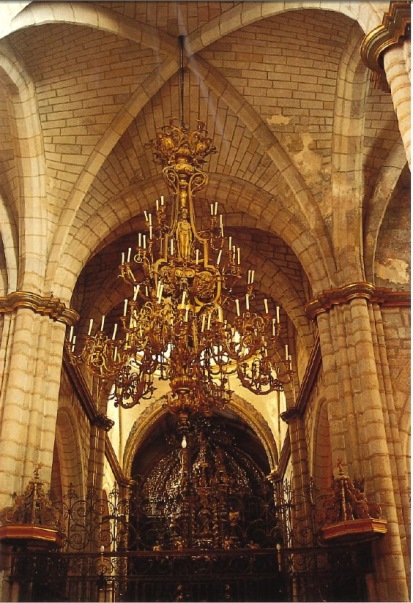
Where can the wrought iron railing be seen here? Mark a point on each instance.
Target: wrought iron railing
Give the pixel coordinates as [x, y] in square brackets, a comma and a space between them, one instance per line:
[120, 547]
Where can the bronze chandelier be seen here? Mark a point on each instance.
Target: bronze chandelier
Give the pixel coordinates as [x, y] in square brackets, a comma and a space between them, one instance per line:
[188, 320]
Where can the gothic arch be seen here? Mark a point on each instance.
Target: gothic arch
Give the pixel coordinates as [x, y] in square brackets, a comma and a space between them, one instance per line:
[321, 467]
[244, 410]
[67, 447]
[30, 168]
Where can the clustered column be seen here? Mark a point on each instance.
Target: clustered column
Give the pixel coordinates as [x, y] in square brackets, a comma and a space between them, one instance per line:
[31, 350]
[361, 419]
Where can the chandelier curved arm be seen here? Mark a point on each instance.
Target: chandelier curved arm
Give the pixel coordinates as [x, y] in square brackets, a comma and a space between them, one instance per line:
[102, 356]
[131, 385]
[259, 376]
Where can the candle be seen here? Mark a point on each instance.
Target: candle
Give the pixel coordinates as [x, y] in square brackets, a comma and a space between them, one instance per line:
[146, 216]
[157, 204]
[172, 246]
[71, 333]
[278, 313]
[266, 305]
[161, 199]
[73, 343]
[150, 232]
[249, 277]
[216, 207]
[220, 221]
[123, 258]
[115, 355]
[103, 322]
[139, 240]
[90, 326]
[115, 328]
[219, 256]
[125, 307]
[229, 243]
[135, 293]
[247, 301]
[144, 241]
[286, 352]
[237, 305]
[212, 209]
[150, 219]
[129, 252]
[239, 256]
[273, 327]
[197, 256]
[252, 276]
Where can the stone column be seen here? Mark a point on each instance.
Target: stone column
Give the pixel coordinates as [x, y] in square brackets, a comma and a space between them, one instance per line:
[360, 432]
[398, 77]
[386, 51]
[31, 348]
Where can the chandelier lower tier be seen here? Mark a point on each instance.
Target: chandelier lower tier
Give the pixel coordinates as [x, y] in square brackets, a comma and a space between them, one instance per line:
[188, 319]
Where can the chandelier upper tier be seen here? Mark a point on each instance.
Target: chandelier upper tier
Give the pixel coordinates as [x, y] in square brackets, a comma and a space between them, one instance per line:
[189, 319]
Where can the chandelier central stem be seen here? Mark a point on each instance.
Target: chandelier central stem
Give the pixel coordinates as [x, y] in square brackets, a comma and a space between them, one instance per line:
[181, 80]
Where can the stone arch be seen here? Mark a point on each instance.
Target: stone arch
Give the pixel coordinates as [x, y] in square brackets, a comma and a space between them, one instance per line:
[305, 203]
[379, 202]
[67, 448]
[321, 463]
[96, 17]
[9, 242]
[347, 168]
[31, 170]
[279, 221]
[143, 425]
[246, 13]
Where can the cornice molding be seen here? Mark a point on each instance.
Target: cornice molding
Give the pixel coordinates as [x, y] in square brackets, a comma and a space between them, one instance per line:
[46, 306]
[363, 290]
[395, 26]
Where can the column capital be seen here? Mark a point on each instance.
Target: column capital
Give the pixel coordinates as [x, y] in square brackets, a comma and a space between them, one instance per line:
[395, 27]
[362, 290]
[102, 421]
[46, 306]
[291, 414]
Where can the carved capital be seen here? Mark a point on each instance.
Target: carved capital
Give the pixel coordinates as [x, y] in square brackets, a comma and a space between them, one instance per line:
[103, 422]
[46, 306]
[395, 27]
[290, 415]
[363, 290]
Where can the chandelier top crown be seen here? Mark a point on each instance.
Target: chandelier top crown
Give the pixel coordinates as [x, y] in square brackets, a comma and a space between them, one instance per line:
[174, 144]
